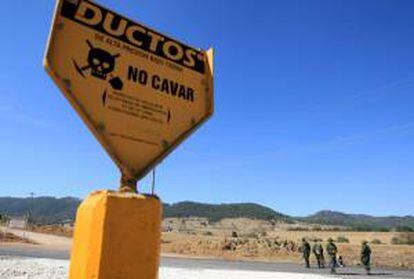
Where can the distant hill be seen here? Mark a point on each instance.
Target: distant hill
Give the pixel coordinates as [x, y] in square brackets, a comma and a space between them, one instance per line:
[215, 212]
[360, 221]
[48, 210]
[44, 209]
[53, 210]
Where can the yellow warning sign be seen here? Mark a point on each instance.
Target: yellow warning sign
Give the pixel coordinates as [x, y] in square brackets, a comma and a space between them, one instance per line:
[141, 93]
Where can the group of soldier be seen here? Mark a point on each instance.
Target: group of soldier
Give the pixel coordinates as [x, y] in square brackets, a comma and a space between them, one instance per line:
[332, 251]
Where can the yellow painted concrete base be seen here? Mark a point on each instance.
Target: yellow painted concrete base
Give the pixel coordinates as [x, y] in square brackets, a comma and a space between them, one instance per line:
[117, 236]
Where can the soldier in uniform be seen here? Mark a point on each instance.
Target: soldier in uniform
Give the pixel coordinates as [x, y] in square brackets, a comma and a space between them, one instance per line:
[306, 251]
[318, 252]
[332, 251]
[366, 256]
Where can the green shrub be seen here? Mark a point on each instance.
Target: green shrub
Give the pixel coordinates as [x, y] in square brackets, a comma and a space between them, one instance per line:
[342, 239]
[396, 240]
[313, 239]
[404, 229]
[370, 229]
[376, 241]
[298, 229]
[403, 239]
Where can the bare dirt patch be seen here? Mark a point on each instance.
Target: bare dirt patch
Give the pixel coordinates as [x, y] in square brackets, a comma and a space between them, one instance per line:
[6, 237]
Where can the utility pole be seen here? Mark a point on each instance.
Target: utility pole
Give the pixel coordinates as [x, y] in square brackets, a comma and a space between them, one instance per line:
[30, 218]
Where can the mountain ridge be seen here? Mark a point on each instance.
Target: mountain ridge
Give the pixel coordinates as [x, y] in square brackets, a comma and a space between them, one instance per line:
[48, 210]
[361, 221]
[215, 212]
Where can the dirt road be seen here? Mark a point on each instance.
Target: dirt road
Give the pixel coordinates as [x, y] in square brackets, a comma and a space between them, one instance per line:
[47, 240]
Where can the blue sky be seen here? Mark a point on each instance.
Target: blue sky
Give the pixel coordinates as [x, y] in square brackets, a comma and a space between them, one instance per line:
[314, 107]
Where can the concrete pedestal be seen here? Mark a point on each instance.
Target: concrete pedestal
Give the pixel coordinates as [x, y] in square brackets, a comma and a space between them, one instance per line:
[117, 236]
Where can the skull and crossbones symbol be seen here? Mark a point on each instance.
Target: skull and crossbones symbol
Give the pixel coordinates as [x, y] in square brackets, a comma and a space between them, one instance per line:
[100, 64]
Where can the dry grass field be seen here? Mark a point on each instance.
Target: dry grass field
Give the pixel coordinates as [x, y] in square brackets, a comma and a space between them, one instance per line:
[243, 239]
[257, 240]
[263, 249]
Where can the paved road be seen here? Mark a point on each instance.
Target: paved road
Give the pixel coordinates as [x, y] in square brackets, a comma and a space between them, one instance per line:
[351, 273]
[13, 268]
[33, 251]
[54, 247]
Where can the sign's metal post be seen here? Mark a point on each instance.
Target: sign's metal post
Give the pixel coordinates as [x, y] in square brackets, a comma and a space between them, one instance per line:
[141, 94]
[128, 184]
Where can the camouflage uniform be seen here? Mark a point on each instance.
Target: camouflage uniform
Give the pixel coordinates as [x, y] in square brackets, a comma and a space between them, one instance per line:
[332, 250]
[318, 252]
[306, 251]
[366, 256]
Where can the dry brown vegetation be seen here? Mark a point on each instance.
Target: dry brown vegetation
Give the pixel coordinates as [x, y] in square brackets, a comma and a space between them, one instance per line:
[54, 229]
[244, 239]
[6, 237]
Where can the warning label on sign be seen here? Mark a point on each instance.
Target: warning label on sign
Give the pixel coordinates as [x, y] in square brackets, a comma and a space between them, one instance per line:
[140, 92]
